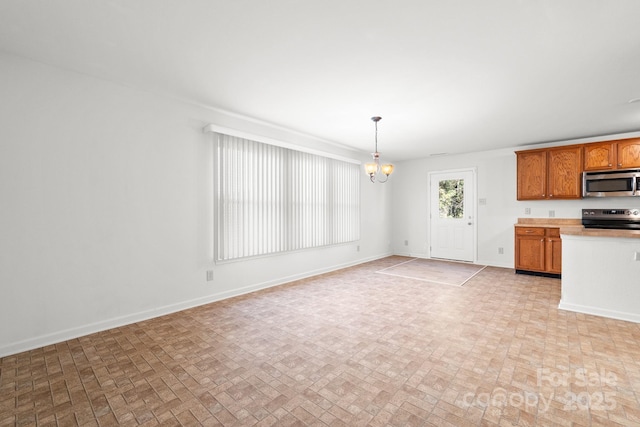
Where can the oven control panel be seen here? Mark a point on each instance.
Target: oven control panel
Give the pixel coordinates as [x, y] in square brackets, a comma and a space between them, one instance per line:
[633, 213]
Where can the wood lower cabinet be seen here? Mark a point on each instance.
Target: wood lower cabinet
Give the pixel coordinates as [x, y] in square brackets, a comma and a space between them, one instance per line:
[553, 251]
[538, 250]
[530, 248]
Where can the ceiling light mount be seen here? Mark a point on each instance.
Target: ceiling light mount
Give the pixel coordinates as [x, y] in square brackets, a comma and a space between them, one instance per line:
[373, 168]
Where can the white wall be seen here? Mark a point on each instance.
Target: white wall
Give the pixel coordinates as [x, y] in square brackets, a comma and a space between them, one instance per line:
[107, 206]
[496, 182]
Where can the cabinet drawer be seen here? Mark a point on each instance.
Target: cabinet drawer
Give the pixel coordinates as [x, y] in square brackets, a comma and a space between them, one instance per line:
[553, 232]
[530, 231]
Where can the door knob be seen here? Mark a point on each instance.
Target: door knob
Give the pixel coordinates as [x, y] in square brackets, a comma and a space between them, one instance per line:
[469, 223]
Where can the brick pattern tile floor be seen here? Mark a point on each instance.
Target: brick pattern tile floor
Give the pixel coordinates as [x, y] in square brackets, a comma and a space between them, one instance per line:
[347, 348]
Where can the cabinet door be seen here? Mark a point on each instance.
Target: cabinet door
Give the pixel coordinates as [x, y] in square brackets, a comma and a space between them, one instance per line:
[553, 251]
[599, 157]
[565, 173]
[530, 247]
[532, 174]
[629, 153]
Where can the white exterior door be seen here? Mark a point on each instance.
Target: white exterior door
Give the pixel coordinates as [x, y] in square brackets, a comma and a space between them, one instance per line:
[452, 230]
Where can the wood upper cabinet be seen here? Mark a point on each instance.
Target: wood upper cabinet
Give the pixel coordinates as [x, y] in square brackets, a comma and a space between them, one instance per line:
[618, 154]
[556, 172]
[552, 173]
[538, 249]
[628, 153]
[532, 174]
[600, 156]
[565, 172]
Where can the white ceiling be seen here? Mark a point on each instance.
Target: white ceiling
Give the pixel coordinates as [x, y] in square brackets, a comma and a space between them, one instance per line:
[445, 75]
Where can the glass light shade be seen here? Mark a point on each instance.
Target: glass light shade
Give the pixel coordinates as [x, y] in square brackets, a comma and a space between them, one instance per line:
[387, 169]
[371, 168]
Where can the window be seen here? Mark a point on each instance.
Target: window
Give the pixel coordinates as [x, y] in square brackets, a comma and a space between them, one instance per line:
[272, 199]
[451, 198]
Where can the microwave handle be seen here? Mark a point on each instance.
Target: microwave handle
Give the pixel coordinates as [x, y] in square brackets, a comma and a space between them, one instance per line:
[634, 185]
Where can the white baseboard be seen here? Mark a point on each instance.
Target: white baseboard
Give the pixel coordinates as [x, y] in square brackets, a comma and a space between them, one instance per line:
[67, 334]
[612, 314]
[407, 254]
[495, 264]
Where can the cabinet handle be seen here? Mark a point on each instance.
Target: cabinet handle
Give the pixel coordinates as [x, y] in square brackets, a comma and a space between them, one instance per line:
[528, 231]
[550, 195]
[609, 164]
[619, 164]
[542, 240]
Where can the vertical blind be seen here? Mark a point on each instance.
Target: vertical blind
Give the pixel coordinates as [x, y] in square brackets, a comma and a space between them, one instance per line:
[273, 199]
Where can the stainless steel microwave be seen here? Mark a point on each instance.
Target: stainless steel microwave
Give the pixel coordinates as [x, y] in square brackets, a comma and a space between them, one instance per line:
[616, 183]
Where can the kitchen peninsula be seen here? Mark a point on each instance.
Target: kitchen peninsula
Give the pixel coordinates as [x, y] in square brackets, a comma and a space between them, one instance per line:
[601, 272]
[599, 268]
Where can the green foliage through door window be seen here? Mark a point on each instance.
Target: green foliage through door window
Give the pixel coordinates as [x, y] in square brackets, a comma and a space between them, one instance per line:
[451, 198]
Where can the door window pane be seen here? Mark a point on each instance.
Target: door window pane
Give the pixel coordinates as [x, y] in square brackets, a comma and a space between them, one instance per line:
[451, 198]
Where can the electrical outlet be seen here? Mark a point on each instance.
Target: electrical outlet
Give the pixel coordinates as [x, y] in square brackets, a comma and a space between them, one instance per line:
[636, 256]
[358, 248]
[406, 243]
[552, 214]
[527, 211]
[501, 251]
[209, 275]
[482, 202]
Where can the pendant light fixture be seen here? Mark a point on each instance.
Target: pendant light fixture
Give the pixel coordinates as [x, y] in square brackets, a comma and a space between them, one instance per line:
[374, 167]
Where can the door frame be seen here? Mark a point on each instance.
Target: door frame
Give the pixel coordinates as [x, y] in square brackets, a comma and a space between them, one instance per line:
[473, 207]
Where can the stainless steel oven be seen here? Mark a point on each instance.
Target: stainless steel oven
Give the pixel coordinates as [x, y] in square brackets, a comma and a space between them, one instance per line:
[626, 219]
